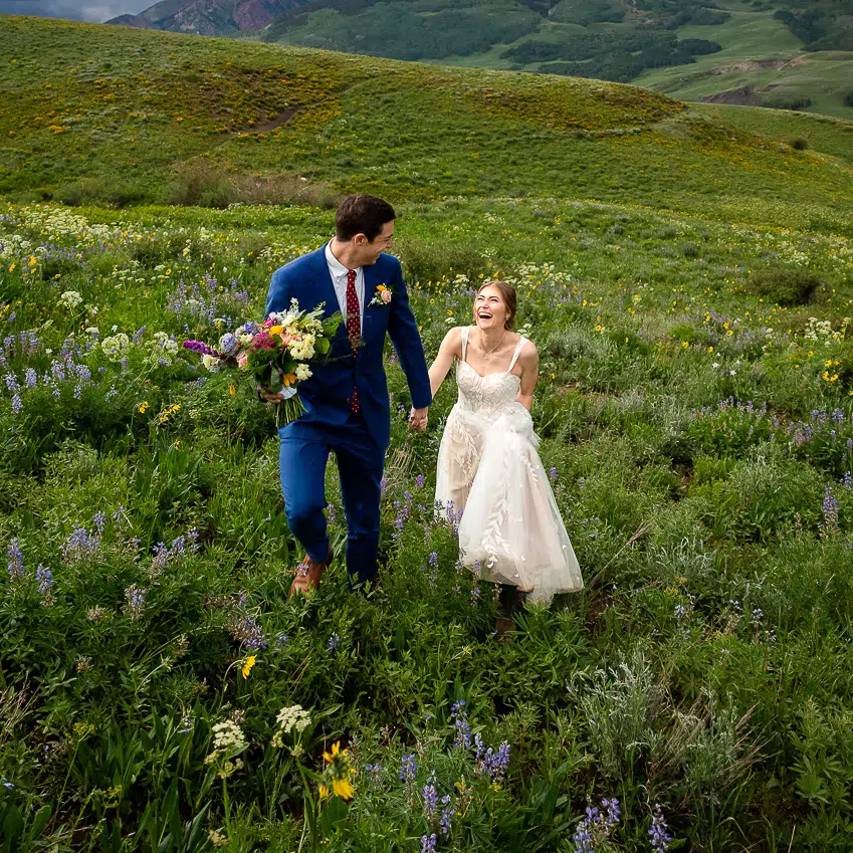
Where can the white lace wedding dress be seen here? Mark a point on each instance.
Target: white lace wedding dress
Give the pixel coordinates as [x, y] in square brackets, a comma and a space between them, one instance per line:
[489, 470]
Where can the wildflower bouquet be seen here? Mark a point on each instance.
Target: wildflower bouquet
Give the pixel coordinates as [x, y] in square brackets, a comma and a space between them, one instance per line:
[277, 353]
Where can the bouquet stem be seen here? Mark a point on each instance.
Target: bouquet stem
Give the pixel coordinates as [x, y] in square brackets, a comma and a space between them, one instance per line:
[288, 410]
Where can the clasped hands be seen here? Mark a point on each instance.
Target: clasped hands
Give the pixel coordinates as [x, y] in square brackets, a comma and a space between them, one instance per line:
[418, 419]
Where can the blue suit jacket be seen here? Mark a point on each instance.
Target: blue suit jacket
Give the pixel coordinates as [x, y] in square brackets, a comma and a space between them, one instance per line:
[327, 392]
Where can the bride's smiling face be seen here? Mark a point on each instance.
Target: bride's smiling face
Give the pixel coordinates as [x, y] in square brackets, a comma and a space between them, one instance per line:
[490, 310]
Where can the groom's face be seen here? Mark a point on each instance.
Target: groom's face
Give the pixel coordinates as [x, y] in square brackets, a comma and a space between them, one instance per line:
[370, 250]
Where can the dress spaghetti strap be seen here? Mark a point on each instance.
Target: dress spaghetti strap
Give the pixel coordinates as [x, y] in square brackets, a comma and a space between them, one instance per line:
[516, 353]
[464, 341]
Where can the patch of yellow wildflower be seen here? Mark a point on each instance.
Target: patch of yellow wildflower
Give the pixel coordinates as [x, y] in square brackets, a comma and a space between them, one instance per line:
[338, 774]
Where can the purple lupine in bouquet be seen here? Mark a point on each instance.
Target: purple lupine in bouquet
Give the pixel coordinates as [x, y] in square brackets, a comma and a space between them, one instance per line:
[277, 353]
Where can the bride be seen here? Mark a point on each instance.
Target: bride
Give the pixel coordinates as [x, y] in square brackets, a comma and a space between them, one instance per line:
[489, 471]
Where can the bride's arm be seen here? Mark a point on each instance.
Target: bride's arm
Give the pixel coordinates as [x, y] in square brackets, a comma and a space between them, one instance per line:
[451, 347]
[529, 361]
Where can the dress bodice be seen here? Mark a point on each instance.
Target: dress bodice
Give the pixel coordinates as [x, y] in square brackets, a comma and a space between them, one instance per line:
[489, 394]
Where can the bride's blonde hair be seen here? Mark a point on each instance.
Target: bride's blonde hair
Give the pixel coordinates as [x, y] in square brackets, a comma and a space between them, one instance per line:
[507, 292]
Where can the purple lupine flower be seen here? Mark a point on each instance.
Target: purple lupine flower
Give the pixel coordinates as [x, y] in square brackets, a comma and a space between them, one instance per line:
[447, 814]
[613, 809]
[430, 799]
[402, 517]
[419, 481]
[11, 383]
[757, 616]
[99, 519]
[830, 509]
[433, 558]
[17, 404]
[552, 473]
[44, 578]
[281, 639]
[374, 771]
[847, 480]
[31, 378]
[408, 767]
[428, 843]
[582, 838]
[460, 723]
[135, 597]
[334, 642]
[80, 544]
[680, 612]
[15, 566]
[659, 831]
[247, 631]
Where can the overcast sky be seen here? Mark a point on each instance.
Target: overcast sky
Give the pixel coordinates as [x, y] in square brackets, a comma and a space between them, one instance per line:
[80, 10]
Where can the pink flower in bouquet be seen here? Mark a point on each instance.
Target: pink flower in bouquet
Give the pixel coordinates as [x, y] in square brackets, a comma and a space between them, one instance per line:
[263, 340]
[243, 360]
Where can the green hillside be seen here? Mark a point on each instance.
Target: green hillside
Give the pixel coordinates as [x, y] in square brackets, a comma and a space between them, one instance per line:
[133, 115]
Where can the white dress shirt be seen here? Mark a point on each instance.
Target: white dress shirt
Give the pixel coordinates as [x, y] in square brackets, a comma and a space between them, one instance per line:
[338, 273]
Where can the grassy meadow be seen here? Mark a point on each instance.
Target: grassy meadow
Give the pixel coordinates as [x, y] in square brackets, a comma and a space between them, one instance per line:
[686, 276]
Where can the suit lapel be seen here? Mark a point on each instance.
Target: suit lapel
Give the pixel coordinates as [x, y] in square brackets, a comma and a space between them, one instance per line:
[369, 288]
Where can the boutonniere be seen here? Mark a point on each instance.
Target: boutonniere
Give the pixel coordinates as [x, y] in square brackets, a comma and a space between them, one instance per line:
[382, 295]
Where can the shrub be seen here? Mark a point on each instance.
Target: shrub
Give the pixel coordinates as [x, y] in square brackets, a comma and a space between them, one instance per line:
[787, 102]
[784, 286]
[799, 144]
[199, 182]
[429, 260]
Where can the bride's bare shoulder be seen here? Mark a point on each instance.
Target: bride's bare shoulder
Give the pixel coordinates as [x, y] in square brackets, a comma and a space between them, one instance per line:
[452, 343]
[529, 355]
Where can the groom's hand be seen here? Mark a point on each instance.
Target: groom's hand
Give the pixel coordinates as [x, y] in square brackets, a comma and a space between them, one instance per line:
[418, 419]
[266, 394]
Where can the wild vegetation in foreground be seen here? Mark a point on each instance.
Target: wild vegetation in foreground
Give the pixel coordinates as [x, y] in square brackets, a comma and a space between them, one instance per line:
[695, 415]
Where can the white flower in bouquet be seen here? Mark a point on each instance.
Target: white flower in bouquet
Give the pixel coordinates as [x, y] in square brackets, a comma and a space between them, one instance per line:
[303, 348]
[116, 347]
[211, 362]
[302, 372]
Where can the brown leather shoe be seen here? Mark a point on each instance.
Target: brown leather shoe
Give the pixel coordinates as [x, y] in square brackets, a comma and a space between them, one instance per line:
[504, 628]
[308, 574]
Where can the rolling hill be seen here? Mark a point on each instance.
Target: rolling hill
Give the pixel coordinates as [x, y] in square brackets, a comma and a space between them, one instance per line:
[127, 115]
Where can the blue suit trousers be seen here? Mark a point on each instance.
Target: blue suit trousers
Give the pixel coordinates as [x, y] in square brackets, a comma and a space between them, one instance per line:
[303, 455]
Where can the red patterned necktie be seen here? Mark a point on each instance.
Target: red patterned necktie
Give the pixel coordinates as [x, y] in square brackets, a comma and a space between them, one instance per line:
[353, 331]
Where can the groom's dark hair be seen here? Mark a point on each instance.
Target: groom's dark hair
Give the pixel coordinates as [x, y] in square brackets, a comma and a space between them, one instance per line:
[362, 214]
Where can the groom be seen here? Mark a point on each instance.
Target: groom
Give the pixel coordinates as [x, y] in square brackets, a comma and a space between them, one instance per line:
[346, 398]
